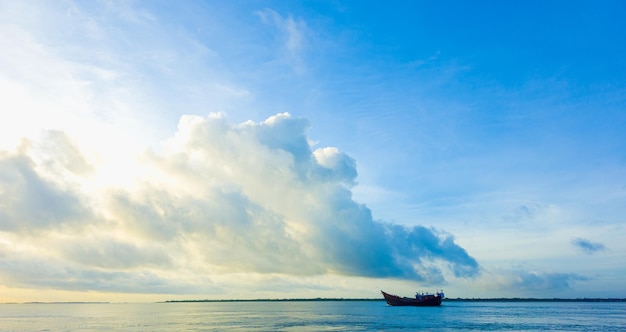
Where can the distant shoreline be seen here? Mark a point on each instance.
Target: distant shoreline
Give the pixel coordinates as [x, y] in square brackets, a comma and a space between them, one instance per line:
[58, 302]
[350, 300]
[382, 300]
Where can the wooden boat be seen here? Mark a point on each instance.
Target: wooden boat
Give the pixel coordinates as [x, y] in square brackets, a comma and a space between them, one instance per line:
[420, 299]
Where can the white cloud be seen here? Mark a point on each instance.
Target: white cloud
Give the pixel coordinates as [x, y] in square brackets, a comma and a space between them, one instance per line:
[339, 165]
[217, 199]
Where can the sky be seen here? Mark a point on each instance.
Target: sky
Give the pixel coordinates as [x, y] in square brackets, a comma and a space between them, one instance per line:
[166, 150]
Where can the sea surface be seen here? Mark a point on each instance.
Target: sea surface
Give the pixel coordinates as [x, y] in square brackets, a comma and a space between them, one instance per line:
[314, 316]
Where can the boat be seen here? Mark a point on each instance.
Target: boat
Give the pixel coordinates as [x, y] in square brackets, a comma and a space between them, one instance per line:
[420, 299]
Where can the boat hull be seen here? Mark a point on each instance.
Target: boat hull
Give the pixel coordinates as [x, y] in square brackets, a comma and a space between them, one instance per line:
[424, 301]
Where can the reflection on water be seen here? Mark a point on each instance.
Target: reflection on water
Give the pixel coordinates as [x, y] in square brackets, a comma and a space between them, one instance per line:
[314, 316]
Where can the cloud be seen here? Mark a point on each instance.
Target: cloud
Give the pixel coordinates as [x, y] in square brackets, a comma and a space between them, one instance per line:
[215, 199]
[270, 167]
[545, 281]
[587, 246]
[292, 29]
[29, 201]
[293, 34]
[338, 165]
[525, 282]
[528, 213]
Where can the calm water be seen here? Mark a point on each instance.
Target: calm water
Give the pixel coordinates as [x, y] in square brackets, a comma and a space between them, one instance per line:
[314, 316]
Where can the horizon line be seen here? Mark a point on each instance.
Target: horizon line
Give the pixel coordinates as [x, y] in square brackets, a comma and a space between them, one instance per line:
[330, 299]
[498, 299]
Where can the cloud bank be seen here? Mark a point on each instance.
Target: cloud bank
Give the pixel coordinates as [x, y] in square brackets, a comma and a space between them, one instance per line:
[215, 199]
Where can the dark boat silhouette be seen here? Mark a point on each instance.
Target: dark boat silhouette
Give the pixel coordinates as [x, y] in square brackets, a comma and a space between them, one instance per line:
[420, 299]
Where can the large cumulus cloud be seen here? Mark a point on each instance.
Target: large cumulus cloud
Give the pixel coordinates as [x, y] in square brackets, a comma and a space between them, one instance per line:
[216, 198]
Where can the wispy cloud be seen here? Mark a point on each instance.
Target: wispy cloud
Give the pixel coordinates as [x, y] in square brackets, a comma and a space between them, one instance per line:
[292, 34]
[587, 246]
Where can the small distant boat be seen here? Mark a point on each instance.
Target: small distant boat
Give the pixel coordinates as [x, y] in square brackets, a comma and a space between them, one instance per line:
[420, 299]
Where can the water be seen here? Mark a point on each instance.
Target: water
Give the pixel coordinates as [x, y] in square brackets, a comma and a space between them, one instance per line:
[315, 316]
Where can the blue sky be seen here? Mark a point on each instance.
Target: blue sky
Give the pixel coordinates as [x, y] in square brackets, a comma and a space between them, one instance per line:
[156, 150]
